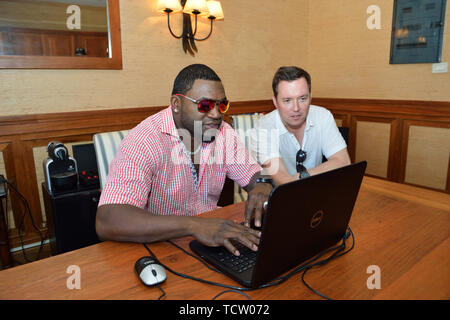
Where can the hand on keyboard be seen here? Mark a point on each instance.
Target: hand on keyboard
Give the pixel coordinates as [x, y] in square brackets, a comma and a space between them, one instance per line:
[218, 232]
[252, 225]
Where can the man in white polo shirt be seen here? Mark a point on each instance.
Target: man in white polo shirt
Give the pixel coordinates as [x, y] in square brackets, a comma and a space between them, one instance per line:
[289, 142]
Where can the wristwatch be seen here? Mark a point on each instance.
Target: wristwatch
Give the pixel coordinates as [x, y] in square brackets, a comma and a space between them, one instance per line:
[303, 172]
[264, 180]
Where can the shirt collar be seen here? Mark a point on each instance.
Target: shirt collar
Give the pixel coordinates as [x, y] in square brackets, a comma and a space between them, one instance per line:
[282, 128]
[168, 124]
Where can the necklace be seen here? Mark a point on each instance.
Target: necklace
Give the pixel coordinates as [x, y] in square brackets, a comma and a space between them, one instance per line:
[190, 153]
[195, 152]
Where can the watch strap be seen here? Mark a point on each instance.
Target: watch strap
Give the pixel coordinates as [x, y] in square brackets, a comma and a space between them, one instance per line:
[264, 180]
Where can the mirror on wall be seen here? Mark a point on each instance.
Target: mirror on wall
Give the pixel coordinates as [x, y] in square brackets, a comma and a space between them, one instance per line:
[80, 34]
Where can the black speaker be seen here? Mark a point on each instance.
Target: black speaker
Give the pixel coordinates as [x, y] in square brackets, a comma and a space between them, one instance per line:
[71, 219]
[84, 154]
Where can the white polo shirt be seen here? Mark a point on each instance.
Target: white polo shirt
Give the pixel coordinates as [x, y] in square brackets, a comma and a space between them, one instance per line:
[270, 139]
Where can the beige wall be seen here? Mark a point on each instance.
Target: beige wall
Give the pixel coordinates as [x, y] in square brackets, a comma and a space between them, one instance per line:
[347, 60]
[328, 37]
[245, 49]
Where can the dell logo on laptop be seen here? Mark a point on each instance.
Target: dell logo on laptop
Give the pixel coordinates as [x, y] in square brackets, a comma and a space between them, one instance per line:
[316, 219]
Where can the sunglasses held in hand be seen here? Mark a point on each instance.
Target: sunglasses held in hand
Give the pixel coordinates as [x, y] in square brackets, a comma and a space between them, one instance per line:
[206, 105]
[299, 158]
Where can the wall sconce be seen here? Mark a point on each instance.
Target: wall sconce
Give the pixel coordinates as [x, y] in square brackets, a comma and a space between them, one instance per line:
[211, 10]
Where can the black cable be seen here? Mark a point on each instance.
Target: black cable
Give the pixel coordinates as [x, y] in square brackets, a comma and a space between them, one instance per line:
[204, 263]
[308, 263]
[163, 292]
[20, 224]
[151, 253]
[5, 187]
[346, 236]
[279, 279]
[194, 278]
[304, 267]
[273, 283]
[315, 291]
[333, 256]
[237, 291]
[322, 262]
[26, 209]
[193, 256]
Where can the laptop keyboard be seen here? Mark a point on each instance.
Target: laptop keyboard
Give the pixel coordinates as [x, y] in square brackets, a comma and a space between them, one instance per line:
[243, 262]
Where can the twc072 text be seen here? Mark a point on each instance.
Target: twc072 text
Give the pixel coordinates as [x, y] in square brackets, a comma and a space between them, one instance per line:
[251, 309]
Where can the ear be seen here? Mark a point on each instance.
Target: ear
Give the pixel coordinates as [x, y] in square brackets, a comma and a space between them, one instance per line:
[175, 102]
[275, 102]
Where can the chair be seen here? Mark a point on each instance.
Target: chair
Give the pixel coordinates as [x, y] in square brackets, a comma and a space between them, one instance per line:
[106, 145]
[242, 123]
[344, 132]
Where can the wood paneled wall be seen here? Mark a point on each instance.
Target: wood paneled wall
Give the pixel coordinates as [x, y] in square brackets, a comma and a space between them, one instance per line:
[397, 138]
[380, 133]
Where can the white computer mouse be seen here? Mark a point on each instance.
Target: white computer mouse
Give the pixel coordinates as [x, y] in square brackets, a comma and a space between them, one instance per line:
[149, 271]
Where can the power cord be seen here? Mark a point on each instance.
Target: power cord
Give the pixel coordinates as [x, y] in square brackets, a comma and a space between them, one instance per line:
[193, 278]
[304, 267]
[226, 291]
[193, 256]
[163, 293]
[333, 256]
[210, 268]
[26, 210]
[5, 188]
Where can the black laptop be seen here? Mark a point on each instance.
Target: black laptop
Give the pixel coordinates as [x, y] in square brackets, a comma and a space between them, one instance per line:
[302, 219]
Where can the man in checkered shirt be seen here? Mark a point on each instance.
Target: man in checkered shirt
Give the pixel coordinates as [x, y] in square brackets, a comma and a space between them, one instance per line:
[172, 167]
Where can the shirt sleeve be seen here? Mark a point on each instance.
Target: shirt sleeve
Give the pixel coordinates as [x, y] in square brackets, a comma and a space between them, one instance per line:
[332, 140]
[130, 175]
[241, 166]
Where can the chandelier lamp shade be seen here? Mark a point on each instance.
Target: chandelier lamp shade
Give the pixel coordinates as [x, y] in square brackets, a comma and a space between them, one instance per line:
[211, 10]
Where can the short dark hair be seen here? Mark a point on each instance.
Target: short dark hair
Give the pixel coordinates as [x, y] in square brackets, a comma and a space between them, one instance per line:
[186, 78]
[290, 73]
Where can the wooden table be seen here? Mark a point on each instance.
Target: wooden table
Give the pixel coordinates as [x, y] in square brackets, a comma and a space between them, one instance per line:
[401, 229]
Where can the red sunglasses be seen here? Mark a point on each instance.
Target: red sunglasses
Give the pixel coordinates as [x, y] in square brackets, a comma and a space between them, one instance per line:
[206, 105]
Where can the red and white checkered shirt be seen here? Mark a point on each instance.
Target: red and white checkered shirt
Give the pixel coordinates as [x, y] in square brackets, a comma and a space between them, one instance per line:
[151, 170]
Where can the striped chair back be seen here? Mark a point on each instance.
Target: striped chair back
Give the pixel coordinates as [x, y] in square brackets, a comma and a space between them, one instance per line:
[106, 145]
[242, 123]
